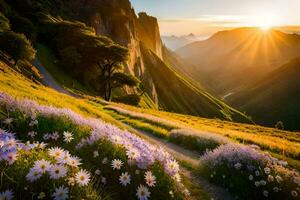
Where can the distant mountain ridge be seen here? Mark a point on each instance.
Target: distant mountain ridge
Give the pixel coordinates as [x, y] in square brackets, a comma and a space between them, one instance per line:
[175, 42]
[230, 59]
[275, 97]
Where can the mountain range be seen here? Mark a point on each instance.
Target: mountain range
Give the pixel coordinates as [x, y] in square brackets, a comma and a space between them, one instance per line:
[175, 42]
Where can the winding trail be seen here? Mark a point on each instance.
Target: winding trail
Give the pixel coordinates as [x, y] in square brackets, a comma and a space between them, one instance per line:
[181, 154]
[49, 81]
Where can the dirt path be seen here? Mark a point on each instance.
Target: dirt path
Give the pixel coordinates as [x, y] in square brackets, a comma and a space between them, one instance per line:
[48, 79]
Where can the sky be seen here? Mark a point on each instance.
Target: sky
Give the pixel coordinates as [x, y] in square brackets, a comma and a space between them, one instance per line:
[204, 17]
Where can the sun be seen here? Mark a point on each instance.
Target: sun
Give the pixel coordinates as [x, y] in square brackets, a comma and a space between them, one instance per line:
[265, 21]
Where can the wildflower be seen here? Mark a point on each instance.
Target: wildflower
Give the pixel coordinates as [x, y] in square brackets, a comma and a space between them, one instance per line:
[276, 189]
[177, 177]
[74, 161]
[104, 161]
[10, 157]
[143, 193]
[267, 170]
[32, 134]
[150, 179]
[71, 181]
[42, 195]
[42, 166]
[265, 193]
[56, 152]
[96, 154]
[68, 136]
[294, 193]
[7, 195]
[238, 166]
[116, 164]
[172, 166]
[55, 136]
[64, 158]
[103, 180]
[250, 177]
[132, 154]
[171, 193]
[270, 178]
[97, 172]
[186, 192]
[297, 180]
[57, 171]
[33, 123]
[257, 173]
[262, 182]
[8, 121]
[278, 179]
[125, 179]
[82, 177]
[257, 183]
[61, 193]
[137, 172]
[33, 175]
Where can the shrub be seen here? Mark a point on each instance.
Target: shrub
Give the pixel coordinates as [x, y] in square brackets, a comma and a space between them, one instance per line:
[4, 23]
[250, 174]
[279, 125]
[16, 46]
[196, 140]
[133, 99]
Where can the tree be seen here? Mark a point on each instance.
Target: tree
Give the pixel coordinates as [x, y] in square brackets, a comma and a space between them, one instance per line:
[111, 73]
[279, 125]
[16, 46]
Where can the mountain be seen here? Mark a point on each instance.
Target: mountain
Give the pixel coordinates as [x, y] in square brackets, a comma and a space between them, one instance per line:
[276, 97]
[140, 33]
[173, 42]
[231, 59]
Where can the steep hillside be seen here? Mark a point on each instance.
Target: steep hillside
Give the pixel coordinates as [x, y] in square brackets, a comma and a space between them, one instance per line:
[178, 94]
[174, 42]
[276, 97]
[118, 21]
[228, 55]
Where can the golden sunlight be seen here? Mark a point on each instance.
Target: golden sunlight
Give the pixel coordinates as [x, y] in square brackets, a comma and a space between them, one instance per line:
[265, 21]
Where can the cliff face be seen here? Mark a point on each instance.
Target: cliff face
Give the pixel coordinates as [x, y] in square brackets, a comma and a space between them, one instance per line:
[130, 30]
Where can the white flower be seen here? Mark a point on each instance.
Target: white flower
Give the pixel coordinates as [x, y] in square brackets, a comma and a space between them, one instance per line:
[74, 161]
[257, 183]
[263, 182]
[172, 166]
[270, 178]
[276, 189]
[68, 136]
[33, 175]
[104, 161]
[61, 193]
[265, 193]
[82, 177]
[42, 166]
[238, 166]
[8, 121]
[250, 177]
[103, 180]
[32, 134]
[267, 170]
[294, 193]
[116, 164]
[6, 195]
[257, 173]
[55, 136]
[71, 181]
[278, 179]
[177, 177]
[132, 154]
[97, 172]
[33, 122]
[150, 179]
[56, 152]
[96, 154]
[143, 192]
[125, 179]
[57, 171]
[64, 158]
[10, 157]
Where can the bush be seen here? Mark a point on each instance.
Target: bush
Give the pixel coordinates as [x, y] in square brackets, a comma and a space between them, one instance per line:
[4, 23]
[133, 99]
[279, 125]
[197, 141]
[250, 174]
[16, 46]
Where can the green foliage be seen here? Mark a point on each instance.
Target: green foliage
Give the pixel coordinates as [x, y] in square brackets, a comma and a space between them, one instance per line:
[4, 23]
[132, 99]
[16, 46]
[22, 25]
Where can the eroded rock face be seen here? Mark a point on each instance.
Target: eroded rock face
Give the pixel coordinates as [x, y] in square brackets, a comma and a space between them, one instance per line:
[131, 31]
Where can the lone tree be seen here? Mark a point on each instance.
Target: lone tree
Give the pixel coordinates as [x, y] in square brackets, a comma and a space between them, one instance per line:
[16, 46]
[112, 74]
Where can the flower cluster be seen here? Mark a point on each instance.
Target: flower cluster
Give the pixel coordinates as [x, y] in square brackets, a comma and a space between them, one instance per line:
[264, 174]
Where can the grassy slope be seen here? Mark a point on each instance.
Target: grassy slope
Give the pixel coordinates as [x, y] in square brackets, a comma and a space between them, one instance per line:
[183, 96]
[276, 97]
[282, 144]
